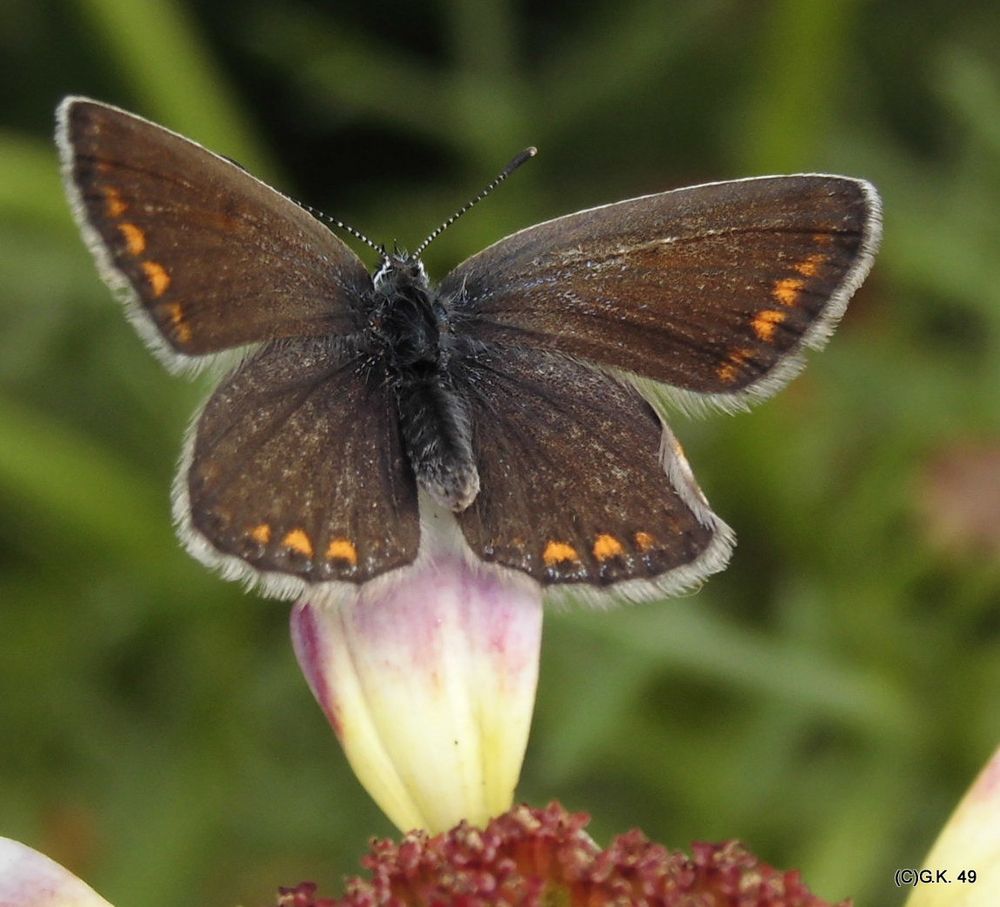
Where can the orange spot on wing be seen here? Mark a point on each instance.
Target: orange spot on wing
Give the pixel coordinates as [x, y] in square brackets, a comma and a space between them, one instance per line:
[175, 315]
[644, 541]
[726, 372]
[298, 541]
[607, 546]
[822, 239]
[342, 550]
[730, 370]
[764, 323]
[261, 533]
[558, 552]
[114, 207]
[787, 290]
[156, 274]
[810, 266]
[135, 239]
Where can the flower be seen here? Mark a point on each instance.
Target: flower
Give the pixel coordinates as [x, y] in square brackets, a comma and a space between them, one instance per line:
[969, 843]
[544, 857]
[429, 683]
[30, 879]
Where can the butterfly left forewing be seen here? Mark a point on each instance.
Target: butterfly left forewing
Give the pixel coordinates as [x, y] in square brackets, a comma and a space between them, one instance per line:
[580, 482]
[207, 256]
[714, 290]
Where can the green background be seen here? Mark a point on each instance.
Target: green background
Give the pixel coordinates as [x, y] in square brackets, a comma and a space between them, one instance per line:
[827, 699]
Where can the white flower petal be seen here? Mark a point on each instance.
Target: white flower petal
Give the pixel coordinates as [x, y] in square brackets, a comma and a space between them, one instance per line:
[969, 842]
[429, 683]
[31, 879]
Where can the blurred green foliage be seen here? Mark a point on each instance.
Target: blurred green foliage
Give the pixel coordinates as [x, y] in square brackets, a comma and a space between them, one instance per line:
[827, 699]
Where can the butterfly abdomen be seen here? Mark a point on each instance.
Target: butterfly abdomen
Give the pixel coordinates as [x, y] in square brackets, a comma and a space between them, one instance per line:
[434, 424]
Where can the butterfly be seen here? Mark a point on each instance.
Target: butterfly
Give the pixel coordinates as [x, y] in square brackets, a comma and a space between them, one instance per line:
[512, 401]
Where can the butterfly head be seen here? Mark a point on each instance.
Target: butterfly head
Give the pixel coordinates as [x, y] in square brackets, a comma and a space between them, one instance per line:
[397, 271]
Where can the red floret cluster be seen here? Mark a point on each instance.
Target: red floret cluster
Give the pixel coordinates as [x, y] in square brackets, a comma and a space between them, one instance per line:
[544, 858]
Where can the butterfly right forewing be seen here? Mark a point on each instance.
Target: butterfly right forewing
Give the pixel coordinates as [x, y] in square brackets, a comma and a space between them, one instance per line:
[714, 289]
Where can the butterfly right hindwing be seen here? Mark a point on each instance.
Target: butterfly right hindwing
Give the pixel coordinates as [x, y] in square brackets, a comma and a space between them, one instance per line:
[580, 481]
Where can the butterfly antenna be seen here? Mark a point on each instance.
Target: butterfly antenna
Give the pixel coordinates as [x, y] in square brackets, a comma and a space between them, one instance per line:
[519, 159]
[357, 234]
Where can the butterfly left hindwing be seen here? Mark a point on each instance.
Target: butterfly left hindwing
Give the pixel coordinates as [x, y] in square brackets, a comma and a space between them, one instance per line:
[295, 468]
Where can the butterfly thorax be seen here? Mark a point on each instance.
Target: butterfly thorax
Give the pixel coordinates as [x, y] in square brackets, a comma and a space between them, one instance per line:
[408, 327]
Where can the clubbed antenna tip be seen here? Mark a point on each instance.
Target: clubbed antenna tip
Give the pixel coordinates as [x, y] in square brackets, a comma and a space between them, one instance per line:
[515, 162]
[518, 160]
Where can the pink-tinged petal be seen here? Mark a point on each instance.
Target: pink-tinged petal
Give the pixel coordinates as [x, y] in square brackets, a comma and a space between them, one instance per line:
[31, 879]
[969, 843]
[429, 683]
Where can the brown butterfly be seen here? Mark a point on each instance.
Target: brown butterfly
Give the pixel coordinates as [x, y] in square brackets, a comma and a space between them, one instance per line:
[505, 404]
